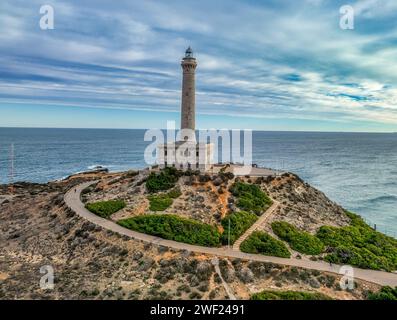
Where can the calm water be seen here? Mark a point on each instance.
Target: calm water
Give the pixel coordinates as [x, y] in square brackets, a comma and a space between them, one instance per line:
[358, 170]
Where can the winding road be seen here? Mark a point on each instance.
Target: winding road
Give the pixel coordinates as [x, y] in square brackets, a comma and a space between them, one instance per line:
[73, 201]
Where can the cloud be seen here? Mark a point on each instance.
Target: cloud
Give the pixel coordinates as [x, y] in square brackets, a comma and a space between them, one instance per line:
[275, 60]
[375, 8]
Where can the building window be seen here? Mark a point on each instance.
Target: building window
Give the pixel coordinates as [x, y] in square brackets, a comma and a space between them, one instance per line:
[165, 152]
[181, 166]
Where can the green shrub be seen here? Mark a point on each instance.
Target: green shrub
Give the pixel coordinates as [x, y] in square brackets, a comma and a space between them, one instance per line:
[239, 223]
[261, 242]
[250, 198]
[174, 193]
[385, 293]
[300, 241]
[159, 203]
[162, 181]
[288, 295]
[176, 228]
[163, 201]
[105, 209]
[359, 245]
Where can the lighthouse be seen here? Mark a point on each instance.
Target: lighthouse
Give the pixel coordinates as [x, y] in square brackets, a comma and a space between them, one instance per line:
[186, 153]
[188, 101]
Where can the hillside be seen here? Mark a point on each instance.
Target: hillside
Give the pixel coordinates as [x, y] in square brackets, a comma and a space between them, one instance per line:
[38, 229]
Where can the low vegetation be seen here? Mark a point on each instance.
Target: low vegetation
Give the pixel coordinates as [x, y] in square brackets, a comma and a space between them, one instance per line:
[176, 228]
[288, 295]
[263, 243]
[359, 245]
[163, 201]
[385, 293]
[250, 197]
[239, 222]
[162, 181]
[160, 202]
[105, 209]
[300, 241]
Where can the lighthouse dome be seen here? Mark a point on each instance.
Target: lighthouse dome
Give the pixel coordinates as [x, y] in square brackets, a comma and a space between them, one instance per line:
[189, 53]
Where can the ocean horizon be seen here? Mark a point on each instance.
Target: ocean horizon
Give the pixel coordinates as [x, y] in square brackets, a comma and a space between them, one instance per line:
[357, 170]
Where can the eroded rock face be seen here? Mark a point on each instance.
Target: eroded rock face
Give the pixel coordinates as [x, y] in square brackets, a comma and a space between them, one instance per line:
[302, 205]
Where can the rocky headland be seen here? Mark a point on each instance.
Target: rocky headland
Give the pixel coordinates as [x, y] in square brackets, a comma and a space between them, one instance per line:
[89, 262]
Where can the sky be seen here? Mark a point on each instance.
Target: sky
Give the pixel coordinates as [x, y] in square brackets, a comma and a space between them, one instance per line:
[262, 65]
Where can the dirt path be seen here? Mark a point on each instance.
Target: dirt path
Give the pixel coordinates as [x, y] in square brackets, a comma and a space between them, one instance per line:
[262, 219]
[72, 200]
[215, 262]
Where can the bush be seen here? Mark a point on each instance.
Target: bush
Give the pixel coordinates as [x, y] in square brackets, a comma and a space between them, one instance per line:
[162, 181]
[159, 203]
[359, 245]
[288, 295]
[385, 293]
[261, 242]
[250, 198]
[174, 193]
[176, 228]
[105, 209]
[300, 241]
[163, 201]
[239, 223]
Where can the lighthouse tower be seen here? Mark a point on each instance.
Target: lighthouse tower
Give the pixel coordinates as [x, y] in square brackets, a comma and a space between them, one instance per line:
[188, 106]
[186, 153]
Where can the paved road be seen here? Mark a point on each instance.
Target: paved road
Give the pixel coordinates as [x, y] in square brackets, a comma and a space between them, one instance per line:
[72, 200]
[262, 219]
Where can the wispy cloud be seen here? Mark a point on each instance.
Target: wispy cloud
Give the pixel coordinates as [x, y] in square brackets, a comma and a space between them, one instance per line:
[278, 59]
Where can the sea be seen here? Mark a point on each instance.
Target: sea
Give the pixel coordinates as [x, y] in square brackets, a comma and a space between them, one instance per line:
[357, 170]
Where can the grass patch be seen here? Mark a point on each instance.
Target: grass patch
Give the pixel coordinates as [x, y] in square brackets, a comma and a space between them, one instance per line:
[250, 198]
[261, 242]
[163, 201]
[105, 209]
[160, 202]
[239, 223]
[174, 193]
[176, 228]
[162, 181]
[288, 295]
[385, 293]
[359, 245]
[300, 241]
